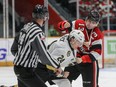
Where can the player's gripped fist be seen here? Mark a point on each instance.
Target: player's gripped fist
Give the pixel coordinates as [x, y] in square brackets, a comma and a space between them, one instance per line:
[67, 24]
[78, 60]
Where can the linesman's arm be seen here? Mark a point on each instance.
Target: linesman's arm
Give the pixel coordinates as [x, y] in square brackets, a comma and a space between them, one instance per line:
[40, 47]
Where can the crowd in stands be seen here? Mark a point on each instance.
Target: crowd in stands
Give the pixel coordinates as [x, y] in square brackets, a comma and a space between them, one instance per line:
[86, 5]
[84, 8]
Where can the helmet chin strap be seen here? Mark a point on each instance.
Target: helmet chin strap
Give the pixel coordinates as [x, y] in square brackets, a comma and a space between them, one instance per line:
[45, 18]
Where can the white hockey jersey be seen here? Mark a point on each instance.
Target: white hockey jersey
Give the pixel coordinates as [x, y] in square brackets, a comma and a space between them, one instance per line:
[61, 50]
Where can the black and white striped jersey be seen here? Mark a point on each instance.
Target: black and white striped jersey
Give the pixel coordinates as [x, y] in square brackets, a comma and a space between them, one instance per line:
[32, 48]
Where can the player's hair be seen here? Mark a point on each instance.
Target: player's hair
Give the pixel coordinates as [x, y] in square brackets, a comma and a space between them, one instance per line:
[94, 16]
[40, 12]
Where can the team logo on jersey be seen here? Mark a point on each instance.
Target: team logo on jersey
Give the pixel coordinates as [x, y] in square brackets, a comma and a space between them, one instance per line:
[94, 35]
[68, 53]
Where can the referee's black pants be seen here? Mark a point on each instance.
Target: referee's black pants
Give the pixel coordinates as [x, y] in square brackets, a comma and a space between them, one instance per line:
[27, 77]
[89, 72]
[46, 74]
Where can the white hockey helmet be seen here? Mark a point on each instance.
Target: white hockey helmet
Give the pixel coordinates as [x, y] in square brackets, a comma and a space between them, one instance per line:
[78, 35]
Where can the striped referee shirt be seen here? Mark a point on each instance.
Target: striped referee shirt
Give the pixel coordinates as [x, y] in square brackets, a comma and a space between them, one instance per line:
[32, 48]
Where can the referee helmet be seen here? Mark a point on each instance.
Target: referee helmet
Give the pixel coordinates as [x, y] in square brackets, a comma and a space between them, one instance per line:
[40, 12]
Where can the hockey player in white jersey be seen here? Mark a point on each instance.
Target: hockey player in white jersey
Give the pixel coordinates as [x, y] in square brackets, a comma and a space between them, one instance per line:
[64, 51]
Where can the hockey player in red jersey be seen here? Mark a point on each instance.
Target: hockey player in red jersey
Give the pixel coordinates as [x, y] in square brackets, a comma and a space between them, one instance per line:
[89, 52]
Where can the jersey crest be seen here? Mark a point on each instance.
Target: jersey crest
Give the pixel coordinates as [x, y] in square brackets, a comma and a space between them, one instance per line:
[68, 53]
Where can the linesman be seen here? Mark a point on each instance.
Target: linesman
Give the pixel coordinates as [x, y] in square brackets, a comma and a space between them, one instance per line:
[32, 50]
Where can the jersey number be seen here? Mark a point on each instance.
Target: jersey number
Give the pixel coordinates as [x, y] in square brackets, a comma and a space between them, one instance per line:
[64, 38]
[61, 59]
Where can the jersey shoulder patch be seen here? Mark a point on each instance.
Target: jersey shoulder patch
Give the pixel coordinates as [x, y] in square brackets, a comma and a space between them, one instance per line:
[79, 24]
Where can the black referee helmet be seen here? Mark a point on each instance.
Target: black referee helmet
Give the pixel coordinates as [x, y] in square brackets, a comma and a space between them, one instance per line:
[94, 16]
[40, 12]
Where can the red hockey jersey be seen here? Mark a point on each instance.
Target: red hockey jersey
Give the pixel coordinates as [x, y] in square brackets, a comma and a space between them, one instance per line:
[93, 37]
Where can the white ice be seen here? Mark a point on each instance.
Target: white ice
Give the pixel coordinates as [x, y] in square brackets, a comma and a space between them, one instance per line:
[107, 78]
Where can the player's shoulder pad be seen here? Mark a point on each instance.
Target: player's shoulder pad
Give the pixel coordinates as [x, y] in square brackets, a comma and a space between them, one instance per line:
[80, 21]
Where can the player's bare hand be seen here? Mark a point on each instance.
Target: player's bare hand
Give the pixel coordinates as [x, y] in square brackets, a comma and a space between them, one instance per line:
[66, 74]
[67, 25]
[59, 71]
[86, 44]
[78, 60]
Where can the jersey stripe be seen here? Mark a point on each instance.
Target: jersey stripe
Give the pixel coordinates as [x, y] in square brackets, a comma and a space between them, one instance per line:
[46, 54]
[26, 55]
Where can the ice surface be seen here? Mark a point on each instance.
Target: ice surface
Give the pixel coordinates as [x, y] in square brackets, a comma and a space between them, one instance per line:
[107, 78]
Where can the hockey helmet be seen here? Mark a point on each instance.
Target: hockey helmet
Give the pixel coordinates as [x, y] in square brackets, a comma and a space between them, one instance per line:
[94, 16]
[78, 35]
[40, 12]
